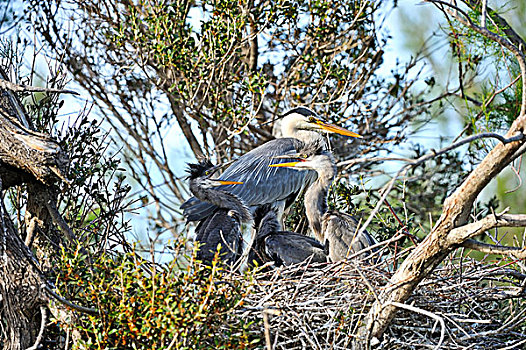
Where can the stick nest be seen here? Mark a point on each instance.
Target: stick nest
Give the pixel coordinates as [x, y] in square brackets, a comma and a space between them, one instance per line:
[465, 304]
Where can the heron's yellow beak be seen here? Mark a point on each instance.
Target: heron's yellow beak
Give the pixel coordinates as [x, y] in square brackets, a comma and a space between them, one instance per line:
[222, 182]
[283, 165]
[336, 129]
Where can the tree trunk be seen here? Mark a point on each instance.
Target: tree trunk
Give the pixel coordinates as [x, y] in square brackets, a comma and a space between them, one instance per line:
[37, 160]
[20, 289]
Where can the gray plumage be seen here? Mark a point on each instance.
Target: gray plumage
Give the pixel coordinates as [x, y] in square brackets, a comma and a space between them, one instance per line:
[281, 247]
[223, 226]
[338, 230]
[262, 184]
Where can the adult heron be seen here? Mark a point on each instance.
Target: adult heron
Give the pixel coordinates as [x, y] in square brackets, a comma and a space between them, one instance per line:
[340, 231]
[223, 227]
[281, 247]
[263, 185]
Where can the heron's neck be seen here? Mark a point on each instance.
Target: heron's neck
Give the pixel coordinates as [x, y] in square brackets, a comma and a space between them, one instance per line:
[222, 199]
[269, 224]
[316, 200]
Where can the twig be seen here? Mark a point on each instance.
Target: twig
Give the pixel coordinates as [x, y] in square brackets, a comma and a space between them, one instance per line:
[427, 313]
[7, 85]
[483, 15]
[68, 303]
[267, 330]
[43, 321]
[413, 238]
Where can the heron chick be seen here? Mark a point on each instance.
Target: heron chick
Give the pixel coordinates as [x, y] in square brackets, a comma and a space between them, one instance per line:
[281, 247]
[223, 227]
[340, 231]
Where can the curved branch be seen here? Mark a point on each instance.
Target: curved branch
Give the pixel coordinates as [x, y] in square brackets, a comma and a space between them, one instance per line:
[516, 252]
[462, 233]
[86, 310]
[43, 321]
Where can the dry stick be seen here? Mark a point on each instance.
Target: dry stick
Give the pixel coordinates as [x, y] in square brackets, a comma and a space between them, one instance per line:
[483, 15]
[513, 346]
[427, 313]
[519, 253]
[267, 330]
[7, 85]
[43, 314]
[413, 238]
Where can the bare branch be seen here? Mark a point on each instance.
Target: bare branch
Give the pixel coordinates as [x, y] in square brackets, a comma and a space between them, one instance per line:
[483, 15]
[43, 322]
[427, 313]
[510, 43]
[434, 153]
[7, 85]
[516, 252]
[68, 303]
[460, 234]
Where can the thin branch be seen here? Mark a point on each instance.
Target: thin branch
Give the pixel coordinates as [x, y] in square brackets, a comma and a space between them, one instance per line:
[414, 162]
[86, 310]
[435, 153]
[483, 15]
[516, 252]
[43, 321]
[507, 43]
[426, 313]
[462, 233]
[267, 330]
[7, 85]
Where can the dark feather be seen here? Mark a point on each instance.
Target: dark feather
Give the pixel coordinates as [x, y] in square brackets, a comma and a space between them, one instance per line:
[281, 247]
[261, 184]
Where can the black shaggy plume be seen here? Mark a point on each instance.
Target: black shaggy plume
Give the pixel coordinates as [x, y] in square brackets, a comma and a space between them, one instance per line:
[196, 170]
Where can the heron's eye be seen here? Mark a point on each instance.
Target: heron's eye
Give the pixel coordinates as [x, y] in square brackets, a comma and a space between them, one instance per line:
[207, 172]
[312, 119]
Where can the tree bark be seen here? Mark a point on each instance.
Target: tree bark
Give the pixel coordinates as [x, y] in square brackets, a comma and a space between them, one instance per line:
[37, 160]
[21, 295]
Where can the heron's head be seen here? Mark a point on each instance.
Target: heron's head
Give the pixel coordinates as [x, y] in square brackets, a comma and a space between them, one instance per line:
[201, 172]
[312, 156]
[201, 169]
[303, 119]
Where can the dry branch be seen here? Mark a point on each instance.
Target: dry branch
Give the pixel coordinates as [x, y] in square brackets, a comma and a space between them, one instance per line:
[443, 239]
[4, 84]
[518, 253]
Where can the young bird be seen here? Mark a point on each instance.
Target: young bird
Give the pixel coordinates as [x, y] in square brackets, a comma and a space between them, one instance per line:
[223, 226]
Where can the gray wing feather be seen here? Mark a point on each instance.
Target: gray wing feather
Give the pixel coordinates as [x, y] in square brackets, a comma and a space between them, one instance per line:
[261, 184]
[289, 248]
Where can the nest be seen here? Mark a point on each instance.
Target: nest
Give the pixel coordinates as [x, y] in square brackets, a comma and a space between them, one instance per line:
[465, 304]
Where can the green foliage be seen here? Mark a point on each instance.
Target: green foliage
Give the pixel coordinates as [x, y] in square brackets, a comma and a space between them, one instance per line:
[145, 306]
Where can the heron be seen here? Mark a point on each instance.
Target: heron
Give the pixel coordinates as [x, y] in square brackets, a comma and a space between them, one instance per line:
[281, 247]
[223, 227]
[264, 185]
[340, 231]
